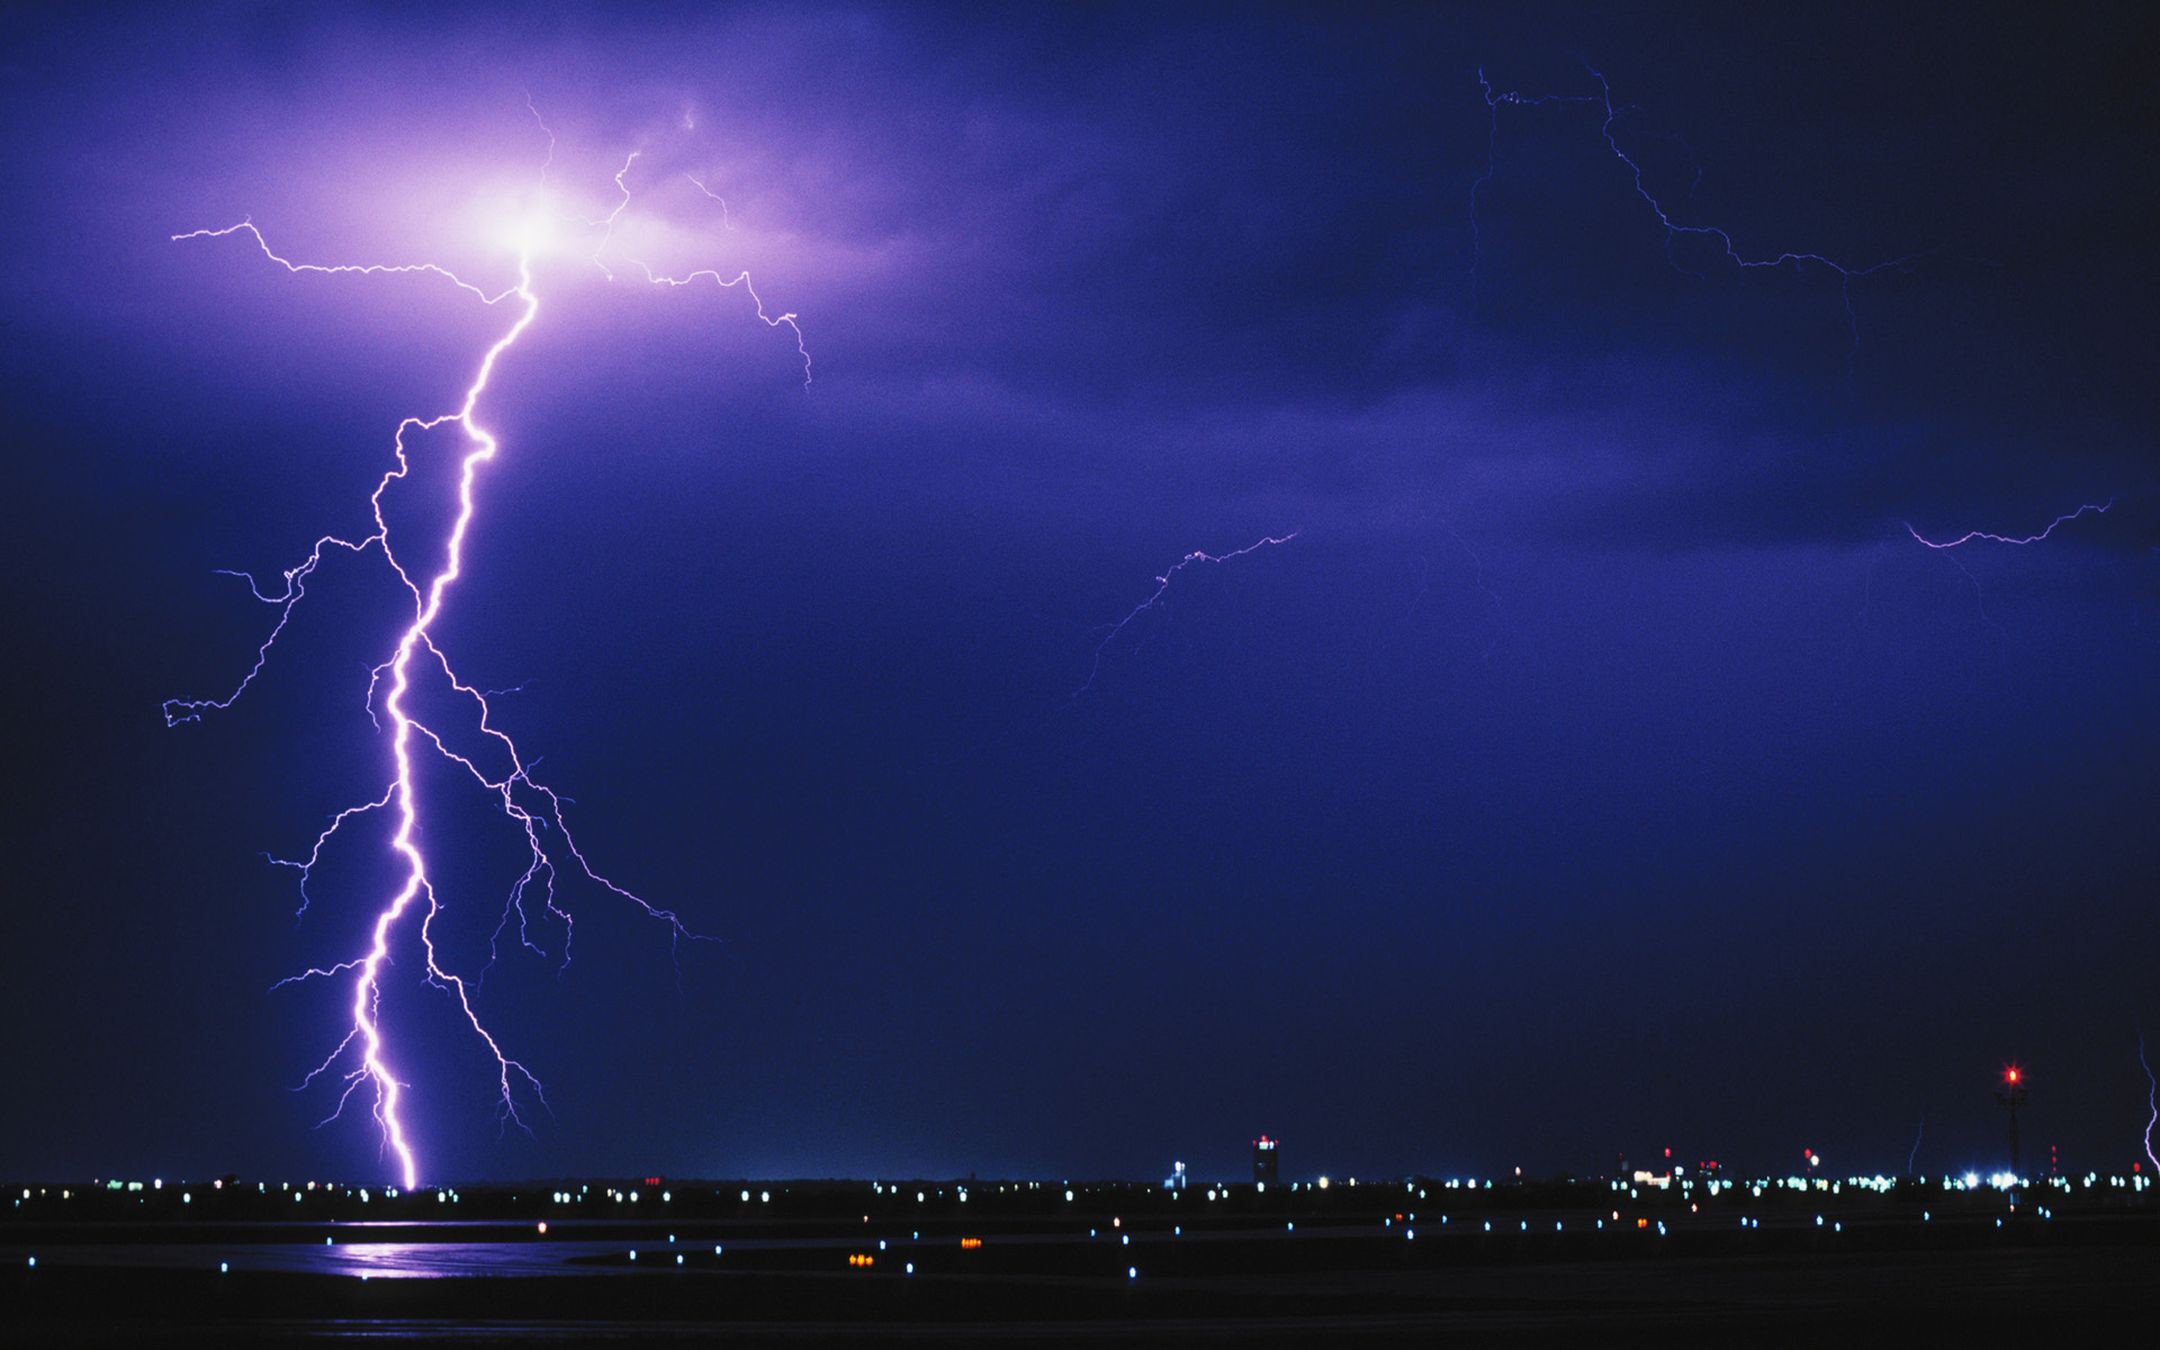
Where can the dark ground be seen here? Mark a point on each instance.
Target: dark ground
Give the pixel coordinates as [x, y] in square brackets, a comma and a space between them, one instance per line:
[1281, 1268]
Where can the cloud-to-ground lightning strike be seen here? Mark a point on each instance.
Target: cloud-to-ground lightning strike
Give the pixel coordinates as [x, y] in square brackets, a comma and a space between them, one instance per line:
[1674, 230]
[1162, 587]
[2152, 1104]
[529, 804]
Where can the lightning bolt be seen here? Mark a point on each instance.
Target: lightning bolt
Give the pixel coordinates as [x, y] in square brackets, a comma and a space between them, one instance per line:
[699, 183]
[1723, 240]
[363, 1058]
[655, 278]
[1162, 588]
[1494, 99]
[1675, 230]
[1973, 536]
[1944, 547]
[2152, 1103]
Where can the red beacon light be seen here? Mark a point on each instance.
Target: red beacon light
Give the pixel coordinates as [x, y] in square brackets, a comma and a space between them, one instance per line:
[2011, 1074]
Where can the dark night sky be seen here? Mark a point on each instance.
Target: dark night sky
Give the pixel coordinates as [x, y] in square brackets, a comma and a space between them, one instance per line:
[1603, 766]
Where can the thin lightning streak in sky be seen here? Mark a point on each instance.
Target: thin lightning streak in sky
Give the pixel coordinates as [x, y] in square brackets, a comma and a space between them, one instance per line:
[305, 866]
[742, 278]
[1945, 547]
[1162, 588]
[2152, 1104]
[545, 130]
[1913, 1154]
[369, 269]
[700, 185]
[607, 222]
[532, 806]
[1972, 536]
[1489, 593]
[1493, 100]
[1674, 229]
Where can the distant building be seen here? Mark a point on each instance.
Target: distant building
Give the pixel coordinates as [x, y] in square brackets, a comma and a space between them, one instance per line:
[1176, 1180]
[1263, 1160]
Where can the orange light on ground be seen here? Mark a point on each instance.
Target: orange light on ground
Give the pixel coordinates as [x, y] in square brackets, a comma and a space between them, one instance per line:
[970, 1244]
[541, 1227]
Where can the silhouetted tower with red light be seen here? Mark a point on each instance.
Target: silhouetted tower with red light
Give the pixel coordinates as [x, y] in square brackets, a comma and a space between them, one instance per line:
[2010, 1096]
[1263, 1160]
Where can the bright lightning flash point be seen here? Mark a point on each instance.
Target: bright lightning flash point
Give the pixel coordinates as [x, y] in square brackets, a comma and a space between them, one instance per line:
[363, 1057]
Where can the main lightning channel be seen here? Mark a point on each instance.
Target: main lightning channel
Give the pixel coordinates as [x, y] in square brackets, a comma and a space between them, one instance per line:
[366, 1034]
[534, 808]
[366, 989]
